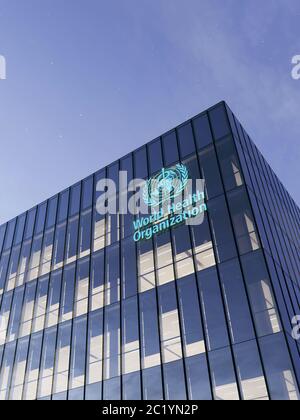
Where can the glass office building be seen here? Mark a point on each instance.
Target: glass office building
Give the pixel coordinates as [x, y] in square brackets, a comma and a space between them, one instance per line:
[198, 312]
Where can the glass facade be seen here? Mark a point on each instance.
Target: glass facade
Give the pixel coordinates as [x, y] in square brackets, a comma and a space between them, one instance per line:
[198, 312]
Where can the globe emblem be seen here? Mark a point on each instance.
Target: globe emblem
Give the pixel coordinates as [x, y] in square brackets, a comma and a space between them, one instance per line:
[164, 186]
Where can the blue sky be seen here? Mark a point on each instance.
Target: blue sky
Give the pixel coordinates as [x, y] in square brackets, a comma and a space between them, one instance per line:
[90, 80]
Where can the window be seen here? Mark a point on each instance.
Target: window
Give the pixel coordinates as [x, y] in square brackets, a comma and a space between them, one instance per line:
[27, 309]
[169, 143]
[174, 381]
[61, 373]
[47, 363]
[112, 284]
[63, 206]
[149, 330]
[33, 364]
[13, 268]
[85, 233]
[279, 372]
[219, 122]
[223, 377]
[155, 157]
[198, 378]
[34, 264]
[75, 200]
[72, 238]
[23, 262]
[112, 349]
[2, 234]
[146, 266]
[19, 230]
[251, 377]
[186, 140]
[140, 163]
[229, 163]
[78, 362]
[193, 338]
[99, 231]
[169, 324]
[82, 287]
[212, 308]
[97, 281]
[130, 339]
[4, 315]
[95, 348]
[40, 304]
[9, 234]
[7, 369]
[93, 392]
[152, 384]
[47, 251]
[53, 299]
[129, 277]
[221, 229]
[87, 193]
[210, 172]
[15, 314]
[40, 220]
[51, 213]
[202, 131]
[59, 246]
[67, 297]
[164, 259]
[112, 389]
[19, 370]
[183, 251]
[132, 386]
[261, 294]
[237, 308]
[243, 221]
[3, 270]
[30, 223]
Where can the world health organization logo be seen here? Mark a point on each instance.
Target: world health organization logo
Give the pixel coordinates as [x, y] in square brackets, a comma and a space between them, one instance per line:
[164, 186]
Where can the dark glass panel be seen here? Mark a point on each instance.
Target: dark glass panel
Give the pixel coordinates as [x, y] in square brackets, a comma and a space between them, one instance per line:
[152, 383]
[132, 386]
[279, 371]
[63, 206]
[202, 131]
[219, 122]
[75, 200]
[212, 307]
[174, 381]
[237, 308]
[140, 163]
[222, 372]
[155, 157]
[51, 213]
[169, 143]
[112, 389]
[41, 216]
[198, 378]
[186, 140]
[210, 172]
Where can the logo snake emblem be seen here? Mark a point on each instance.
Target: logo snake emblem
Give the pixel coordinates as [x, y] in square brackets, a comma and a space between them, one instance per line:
[167, 184]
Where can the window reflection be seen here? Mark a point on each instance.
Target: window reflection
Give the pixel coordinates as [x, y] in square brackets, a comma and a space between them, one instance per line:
[169, 324]
[77, 371]
[250, 373]
[223, 377]
[95, 348]
[261, 294]
[150, 345]
[130, 340]
[63, 349]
